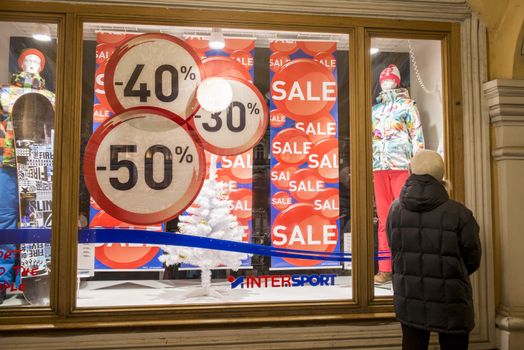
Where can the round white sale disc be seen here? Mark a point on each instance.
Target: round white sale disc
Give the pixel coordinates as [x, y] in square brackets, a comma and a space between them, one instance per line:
[144, 166]
[154, 70]
[237, 128]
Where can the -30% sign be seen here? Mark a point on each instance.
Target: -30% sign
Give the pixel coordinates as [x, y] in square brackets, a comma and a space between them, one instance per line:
[143, 166]
[155, 70]
[237, 128]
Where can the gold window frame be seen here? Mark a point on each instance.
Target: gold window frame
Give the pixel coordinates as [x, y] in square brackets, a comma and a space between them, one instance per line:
[364, 307]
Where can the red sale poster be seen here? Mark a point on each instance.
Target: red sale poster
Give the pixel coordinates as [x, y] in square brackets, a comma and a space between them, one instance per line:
[116, 256]
[235, 60]
[304, 150]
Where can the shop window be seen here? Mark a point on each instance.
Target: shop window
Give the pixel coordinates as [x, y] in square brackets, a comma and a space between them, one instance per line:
[407, 116]
[27, 122]
[236, 141]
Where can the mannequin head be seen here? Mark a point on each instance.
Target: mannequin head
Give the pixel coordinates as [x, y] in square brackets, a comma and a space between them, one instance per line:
[390, 78]
[31, 61]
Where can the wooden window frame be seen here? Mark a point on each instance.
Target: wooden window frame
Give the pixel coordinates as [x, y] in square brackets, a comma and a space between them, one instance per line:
[364, 307]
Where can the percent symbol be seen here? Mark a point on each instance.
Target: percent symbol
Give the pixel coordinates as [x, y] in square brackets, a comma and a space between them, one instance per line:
[188, 73]
[179, 151]
[253, 108]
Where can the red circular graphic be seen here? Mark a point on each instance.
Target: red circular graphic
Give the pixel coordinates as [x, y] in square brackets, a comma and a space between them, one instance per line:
[113, 39]
[281, 200]
[125, 257]
[100, 113]
[314, 47]
[328, 203]
[281, 174]
[277, 118]
[327, 60]
[100, 91]
[284, 46]
[238, 45]
[241, 203]
[302, 227]
[224, 175]
[198, 44]
[304, 88]
[219, 66]
[305, 185]
[247, 230]
[177, 196]
[291, 146]
[324, 158]
[103, 52]
[319, 128]
[93, 204]
[201, 54]
[117, 256]
[244, 58]
[277, 60]
[240, 167]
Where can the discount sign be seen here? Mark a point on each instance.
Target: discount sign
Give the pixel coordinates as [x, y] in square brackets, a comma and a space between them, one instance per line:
[143, 166]
[237, 128]
[155, 70]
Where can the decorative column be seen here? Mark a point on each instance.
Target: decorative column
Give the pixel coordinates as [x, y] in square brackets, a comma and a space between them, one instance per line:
[505, 100]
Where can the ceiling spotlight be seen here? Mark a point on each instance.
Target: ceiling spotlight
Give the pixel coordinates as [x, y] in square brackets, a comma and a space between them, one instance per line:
[42, 33]
[374, 50]
[216, 40]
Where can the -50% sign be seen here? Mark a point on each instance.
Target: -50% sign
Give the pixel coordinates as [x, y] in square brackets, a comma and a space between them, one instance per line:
[143, 166]
[155, 70]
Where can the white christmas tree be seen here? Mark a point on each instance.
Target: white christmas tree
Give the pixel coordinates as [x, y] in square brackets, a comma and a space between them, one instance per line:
[209, 216]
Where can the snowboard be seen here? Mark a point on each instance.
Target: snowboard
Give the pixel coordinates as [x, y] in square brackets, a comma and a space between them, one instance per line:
[32, 116]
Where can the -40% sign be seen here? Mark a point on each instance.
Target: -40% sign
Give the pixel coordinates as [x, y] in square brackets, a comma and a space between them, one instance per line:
[154, 70]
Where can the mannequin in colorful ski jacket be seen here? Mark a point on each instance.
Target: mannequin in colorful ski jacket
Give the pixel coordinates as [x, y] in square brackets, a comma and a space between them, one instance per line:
[397, 136]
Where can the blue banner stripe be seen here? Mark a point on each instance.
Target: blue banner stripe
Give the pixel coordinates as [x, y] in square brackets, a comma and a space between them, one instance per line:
[43, 235]
[17, 236]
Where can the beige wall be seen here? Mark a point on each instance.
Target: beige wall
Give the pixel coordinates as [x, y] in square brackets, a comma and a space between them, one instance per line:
[504, 20]
[504, 97]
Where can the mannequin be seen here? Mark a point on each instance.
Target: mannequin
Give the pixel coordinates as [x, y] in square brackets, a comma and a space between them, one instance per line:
[397, 136]
[28, 80]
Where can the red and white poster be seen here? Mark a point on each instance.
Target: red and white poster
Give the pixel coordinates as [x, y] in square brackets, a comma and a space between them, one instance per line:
[304, 150]
[116, 256]
[134, 83]
[234, 61]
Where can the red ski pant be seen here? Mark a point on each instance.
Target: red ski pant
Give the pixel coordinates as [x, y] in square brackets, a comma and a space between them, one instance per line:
[388, 184]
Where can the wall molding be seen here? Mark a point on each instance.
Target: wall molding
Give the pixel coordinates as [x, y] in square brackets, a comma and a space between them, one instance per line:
[505, 100]
[444, 10]
[508, 153]
[477, 170]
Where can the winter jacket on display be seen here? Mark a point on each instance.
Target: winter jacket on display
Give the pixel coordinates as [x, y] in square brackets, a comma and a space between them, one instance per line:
[397, 131]
[435, 246]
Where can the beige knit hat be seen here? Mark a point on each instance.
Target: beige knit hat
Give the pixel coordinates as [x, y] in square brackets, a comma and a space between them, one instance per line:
[427, 162]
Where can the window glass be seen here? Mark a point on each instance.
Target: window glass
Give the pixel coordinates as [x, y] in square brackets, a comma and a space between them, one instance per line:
[407, 116]
[215, 166]
[27, 107]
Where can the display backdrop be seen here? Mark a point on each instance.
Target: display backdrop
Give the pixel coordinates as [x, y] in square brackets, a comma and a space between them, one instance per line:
[304, 150]
[141, 75]
[235, 60]
[118, 256]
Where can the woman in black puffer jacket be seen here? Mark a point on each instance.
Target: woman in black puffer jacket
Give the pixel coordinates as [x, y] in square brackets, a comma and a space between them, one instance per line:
[435, 246]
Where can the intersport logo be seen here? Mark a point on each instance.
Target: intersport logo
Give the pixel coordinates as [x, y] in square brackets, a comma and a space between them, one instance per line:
[282, 281]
